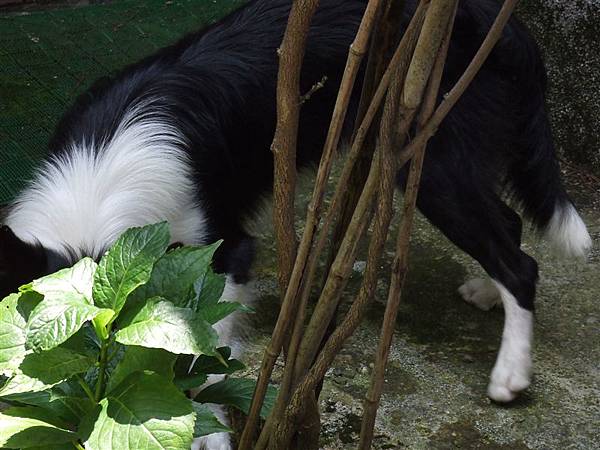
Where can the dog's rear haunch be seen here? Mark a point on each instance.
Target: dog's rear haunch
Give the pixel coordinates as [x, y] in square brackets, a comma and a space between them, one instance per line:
[184, 136]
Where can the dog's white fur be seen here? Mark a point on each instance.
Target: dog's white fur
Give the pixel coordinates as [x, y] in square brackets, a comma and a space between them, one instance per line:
[512, 371]
[480, 292]
[231, 333]
[567, 232]
[81, 201]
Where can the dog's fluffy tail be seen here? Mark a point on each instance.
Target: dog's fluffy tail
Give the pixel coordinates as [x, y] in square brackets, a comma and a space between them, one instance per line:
[536, 179]
[538, 185]
[567, 232]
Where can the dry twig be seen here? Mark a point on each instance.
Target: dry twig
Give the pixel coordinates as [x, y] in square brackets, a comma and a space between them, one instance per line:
[291, 54]
[357, 51]
[401, 257]
[304, 378]
[465, 80]
[381, 178]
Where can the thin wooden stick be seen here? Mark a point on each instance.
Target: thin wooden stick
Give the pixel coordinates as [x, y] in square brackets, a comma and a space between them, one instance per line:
[355, 314]
[291, 55]
[385, 38]
[465, 80]
[401, 258]
[508, 1]
[384, 165]
[401, 58]
[355, 56]
[340, 270]
[387, 144]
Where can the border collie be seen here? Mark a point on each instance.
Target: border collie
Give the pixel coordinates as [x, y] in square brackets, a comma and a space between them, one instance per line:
[184, 136]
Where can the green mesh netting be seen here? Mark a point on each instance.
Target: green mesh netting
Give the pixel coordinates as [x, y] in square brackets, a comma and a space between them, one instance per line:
[48, 57]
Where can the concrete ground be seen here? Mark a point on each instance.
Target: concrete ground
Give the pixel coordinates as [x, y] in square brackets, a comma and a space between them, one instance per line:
[444, 350]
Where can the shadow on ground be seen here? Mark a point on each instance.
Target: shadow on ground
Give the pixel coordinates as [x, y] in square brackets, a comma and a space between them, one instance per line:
[444, 349]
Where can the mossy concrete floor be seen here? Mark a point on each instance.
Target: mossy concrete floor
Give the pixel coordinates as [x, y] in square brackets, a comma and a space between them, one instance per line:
[444, 350]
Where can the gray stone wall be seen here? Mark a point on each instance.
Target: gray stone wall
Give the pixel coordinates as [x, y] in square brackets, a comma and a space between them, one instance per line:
[568, 32]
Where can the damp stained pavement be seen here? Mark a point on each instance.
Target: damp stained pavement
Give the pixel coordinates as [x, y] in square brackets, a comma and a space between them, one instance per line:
[444, 349]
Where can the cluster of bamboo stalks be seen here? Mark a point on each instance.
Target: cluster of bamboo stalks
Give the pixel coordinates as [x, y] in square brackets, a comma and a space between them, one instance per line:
[399, 94]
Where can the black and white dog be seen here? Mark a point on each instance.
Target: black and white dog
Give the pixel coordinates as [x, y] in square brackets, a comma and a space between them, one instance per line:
[184, 136]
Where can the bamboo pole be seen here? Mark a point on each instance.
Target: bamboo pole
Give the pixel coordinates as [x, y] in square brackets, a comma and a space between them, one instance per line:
[401, 258]
[465, 80]
[342, 264]
[384, 168]
[355, 56]
[385, 38]
[430, 126]
[355, 314]
[400, 264]
[291, 55]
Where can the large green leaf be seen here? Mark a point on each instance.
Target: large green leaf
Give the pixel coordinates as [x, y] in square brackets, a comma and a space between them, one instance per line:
[63, 403]
[174, 275]
[206, 422]
[218, 311]
[56, 365]
[191, 381]
[23, 427]
[209, 288]
[222, 365]
[68, 446]
[40, 371]
[77, 279]
[14, 312]
[128, 264]
[144, 412]
[203, 366]
[236, 392]
[19, 384]
[57, 318]
[141, 358]
[85, 342]
[160, 324]
[67, 305]
[12, 335]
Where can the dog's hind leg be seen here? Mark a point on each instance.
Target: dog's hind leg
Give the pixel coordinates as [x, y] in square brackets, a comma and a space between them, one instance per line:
[475, 219]
[482, 292]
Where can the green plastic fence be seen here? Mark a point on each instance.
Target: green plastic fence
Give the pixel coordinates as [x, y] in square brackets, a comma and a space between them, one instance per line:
[48, 57]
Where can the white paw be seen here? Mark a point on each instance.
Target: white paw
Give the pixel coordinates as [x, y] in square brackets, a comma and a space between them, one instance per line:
[481, 293]
[216, 441]
[509, 377]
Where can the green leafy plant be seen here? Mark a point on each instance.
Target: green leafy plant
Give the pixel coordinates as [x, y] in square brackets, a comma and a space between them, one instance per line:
[100, 355]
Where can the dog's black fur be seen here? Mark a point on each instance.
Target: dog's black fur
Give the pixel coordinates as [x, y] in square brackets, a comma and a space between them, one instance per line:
[220, 86]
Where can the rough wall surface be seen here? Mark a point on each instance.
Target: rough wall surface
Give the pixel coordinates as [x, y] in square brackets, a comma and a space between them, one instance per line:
[569, 33]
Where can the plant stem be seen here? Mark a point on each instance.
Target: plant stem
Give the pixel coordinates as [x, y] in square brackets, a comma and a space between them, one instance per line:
[434, 70]
[465, 80]
[103, 362]
[329, 297]
[77, 445]
[86, 388]
[356, 53]
[291, 55]
[384, 161]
